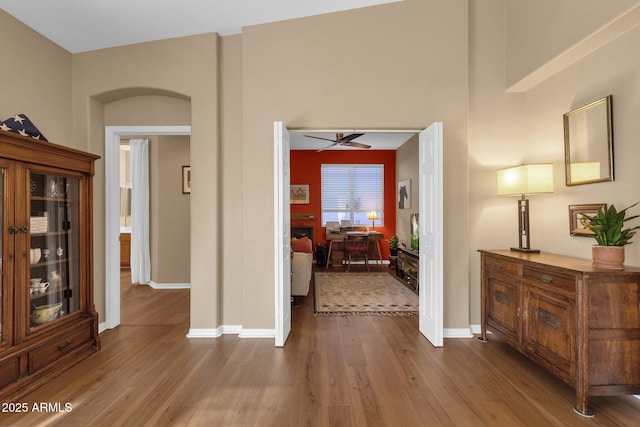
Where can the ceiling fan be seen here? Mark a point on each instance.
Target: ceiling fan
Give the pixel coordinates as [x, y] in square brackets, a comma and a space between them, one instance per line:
[342, 140]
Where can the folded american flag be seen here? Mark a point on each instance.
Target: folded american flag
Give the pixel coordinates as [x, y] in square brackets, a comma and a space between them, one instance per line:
[22, 125]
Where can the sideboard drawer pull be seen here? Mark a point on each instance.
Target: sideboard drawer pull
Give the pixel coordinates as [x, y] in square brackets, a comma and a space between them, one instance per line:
[546, 278]
[64, 345]
[499, 265]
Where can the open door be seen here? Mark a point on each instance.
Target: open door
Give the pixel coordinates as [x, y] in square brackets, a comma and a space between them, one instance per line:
[430, 233]
[282, 233]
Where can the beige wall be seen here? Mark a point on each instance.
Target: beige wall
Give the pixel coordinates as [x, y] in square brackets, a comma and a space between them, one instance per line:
[184, 68]
[169, 210]
[538, 31]
[341, 70]
[231, 159]
[36, 80]
[508, 129]
[407, 168]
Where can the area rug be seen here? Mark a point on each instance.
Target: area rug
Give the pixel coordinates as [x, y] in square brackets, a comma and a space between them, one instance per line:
[366, 294]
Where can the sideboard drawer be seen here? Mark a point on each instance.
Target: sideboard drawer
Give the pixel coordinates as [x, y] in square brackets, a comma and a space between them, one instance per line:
[57, 348]
[545, 277]
[501, 265]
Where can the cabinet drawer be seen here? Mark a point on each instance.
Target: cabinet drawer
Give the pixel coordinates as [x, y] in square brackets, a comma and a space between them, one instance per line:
[9, 370]
[542, 277]
[502, 266]
[57, 348]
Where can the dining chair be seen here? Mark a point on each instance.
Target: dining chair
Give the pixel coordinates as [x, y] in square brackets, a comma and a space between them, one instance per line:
[358, 246]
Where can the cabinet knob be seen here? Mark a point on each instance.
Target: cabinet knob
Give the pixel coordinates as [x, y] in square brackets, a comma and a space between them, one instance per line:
[13, 229]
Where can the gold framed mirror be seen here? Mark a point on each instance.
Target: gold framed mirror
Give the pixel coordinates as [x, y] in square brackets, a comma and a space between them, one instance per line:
[588, 143]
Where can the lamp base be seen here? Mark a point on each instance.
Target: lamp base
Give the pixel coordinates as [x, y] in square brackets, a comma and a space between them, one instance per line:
[525, 250]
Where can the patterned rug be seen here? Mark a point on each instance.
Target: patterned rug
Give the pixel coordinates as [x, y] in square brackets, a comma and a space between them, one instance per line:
[365, 294]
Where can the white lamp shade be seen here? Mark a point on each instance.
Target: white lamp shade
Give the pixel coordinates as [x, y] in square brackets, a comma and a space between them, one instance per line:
[526, 179]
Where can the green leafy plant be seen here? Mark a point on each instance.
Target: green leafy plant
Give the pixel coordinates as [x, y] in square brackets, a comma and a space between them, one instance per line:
[607, 225]
[393, 242]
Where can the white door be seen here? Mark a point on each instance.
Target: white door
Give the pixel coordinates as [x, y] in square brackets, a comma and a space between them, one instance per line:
[430, 233]
[282, 236]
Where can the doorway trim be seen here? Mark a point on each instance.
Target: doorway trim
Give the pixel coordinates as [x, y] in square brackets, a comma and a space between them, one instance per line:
[278, 261]
[112, 135]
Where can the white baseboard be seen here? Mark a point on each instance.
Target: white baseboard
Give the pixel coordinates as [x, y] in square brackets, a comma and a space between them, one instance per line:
[102, 327]
[204, 333]
[271, 333]
[457, 333]
[156, 285]
[231, 330]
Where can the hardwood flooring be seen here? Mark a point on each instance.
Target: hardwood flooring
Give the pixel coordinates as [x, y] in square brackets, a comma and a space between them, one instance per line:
[333, 371]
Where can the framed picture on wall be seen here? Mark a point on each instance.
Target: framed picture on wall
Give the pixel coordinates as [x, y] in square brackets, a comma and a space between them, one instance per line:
[576, 222]
[186, 180]
[299, 194]
[404, 194]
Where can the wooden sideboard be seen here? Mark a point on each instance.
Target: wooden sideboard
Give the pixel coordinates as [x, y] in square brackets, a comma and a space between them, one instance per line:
[581, 323]
[408, 268]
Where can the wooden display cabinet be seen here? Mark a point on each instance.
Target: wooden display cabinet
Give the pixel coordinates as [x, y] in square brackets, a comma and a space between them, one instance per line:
[581, 323]
[48, 316]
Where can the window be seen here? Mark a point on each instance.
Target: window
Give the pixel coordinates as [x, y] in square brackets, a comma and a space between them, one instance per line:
[350, 192]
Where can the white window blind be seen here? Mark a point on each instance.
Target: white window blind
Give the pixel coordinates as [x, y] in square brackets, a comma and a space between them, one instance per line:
[350, 192]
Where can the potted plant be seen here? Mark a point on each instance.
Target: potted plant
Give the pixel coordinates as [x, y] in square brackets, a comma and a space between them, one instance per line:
[393, 245]
[607, 226]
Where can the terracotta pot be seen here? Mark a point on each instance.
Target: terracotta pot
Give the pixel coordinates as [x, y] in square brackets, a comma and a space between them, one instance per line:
[609, 257]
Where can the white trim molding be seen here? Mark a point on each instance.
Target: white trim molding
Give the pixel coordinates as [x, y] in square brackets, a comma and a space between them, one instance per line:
[156, 285]
[204, 333]
[231, 330]
[457, 333]
[112, 136]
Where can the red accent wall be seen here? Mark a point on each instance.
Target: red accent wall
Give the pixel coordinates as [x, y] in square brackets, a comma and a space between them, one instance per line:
[305, 169]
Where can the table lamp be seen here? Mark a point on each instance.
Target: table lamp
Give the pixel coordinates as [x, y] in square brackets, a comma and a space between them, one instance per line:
[521, 181]
[373, 216]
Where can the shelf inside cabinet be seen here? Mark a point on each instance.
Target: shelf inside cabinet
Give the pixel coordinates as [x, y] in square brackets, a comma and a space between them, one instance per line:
[56, 292]
[51, 199]
[50, 262]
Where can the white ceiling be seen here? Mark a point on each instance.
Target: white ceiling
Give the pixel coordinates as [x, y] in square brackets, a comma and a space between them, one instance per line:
[379, 140]
[84, 25]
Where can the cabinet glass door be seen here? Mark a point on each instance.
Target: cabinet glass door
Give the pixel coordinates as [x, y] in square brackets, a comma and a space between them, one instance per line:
[54, 238]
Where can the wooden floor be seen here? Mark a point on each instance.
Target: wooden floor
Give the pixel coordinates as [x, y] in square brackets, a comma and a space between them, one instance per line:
[333, 371]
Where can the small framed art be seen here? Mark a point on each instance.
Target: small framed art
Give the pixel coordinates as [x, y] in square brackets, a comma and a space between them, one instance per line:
[404, 194]
[186, 180]
[577, 222]
[299, 194]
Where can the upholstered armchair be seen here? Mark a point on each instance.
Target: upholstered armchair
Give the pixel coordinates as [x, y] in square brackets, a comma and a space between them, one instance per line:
[301, 266]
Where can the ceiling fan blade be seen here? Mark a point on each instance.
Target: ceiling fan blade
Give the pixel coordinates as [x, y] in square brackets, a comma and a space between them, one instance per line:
[328, 146]
[317, 137]
[350, 137]
[356, 144]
